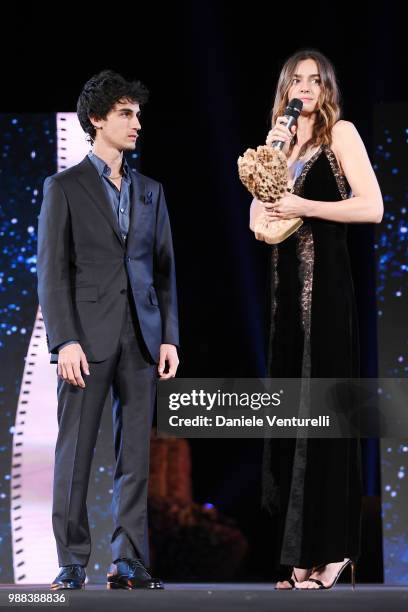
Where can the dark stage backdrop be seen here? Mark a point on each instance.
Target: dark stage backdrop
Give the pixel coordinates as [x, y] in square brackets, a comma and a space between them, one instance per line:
[391, 138]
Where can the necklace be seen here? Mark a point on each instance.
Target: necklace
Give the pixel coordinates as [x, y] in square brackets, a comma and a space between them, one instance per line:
[112, 178]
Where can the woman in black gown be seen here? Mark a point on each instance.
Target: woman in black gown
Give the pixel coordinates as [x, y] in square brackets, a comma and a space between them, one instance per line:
[312, 487]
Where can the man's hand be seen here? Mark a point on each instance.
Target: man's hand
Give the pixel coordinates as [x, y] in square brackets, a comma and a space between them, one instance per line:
[168, 352]
[70, 360]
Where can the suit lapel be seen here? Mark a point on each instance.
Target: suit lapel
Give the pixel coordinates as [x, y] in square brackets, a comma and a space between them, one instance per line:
[137, 208]
[91, 182]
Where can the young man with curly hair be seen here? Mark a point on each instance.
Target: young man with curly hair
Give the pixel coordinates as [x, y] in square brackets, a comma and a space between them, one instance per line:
[107, 290]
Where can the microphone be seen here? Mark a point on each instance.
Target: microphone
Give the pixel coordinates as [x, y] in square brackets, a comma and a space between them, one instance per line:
[292, 112]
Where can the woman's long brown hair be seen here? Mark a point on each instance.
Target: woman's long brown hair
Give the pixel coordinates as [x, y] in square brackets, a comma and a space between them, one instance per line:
[328, 110]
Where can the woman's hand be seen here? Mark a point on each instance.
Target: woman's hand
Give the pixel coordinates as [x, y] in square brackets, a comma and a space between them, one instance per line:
[281, 132]
[288, 207]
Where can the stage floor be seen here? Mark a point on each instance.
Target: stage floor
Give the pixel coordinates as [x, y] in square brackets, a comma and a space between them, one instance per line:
[223, 597]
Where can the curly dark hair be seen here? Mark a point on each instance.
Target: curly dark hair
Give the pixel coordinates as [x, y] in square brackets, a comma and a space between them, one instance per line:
[100, 94]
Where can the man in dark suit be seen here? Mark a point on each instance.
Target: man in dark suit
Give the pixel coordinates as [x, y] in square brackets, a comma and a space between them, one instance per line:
[107, 290]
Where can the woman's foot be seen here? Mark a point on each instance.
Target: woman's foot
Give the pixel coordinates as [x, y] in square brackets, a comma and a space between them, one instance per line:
[297, 574]
[326, 574]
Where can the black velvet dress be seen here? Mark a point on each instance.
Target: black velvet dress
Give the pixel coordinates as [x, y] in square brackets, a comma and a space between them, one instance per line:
[313, 487]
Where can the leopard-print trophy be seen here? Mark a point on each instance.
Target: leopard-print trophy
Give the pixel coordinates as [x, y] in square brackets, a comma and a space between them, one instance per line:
[264, 173]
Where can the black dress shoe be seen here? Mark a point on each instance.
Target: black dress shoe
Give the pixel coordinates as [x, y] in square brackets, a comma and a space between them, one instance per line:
[70, 577]
[131, 574]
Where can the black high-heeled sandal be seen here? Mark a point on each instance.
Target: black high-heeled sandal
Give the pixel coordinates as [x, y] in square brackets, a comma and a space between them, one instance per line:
[292, 581]
[350, 562]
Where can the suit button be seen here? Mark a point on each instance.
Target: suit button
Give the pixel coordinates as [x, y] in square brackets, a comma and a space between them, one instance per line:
[123, 291]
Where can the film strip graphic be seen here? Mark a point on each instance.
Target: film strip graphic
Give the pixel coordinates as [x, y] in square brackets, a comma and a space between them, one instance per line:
[35, 429]
[34, 554]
